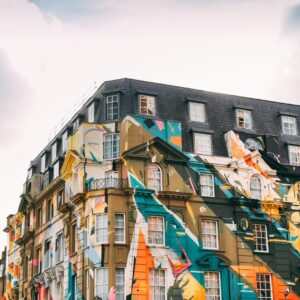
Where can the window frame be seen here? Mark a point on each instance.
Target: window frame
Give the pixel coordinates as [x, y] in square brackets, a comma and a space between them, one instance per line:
[124, 228]
[255, 243]
[200, 135]
[47, 254]
[289, 129]
[38, 258]
[190, 109]
[123, 285]
[154, 105]
[149, 166]
[261, 190]
[152, 279]
[290, 147]
[39, 216]
[237, 118]
[54, 152]
[91, 112]
[56, 169]
[201, 175]
[220, 283]
[73, 239]
[163, 231]
[111, 157]
[216, 221]
[60, 236]
[64, 141]
[102, 283]
[104, 229]
[108, 98]
[270, 282]
[43, 163]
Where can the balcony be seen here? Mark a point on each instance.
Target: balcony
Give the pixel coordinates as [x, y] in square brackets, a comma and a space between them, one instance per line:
[106, 183]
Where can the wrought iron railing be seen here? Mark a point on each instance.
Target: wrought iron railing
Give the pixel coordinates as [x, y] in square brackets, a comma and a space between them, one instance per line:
[107, 183]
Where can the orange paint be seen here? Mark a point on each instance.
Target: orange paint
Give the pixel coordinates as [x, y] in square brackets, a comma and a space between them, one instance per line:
[176, 140]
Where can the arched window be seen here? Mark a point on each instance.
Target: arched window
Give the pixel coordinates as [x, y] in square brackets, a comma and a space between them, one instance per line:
[154, 178]
[256, 187]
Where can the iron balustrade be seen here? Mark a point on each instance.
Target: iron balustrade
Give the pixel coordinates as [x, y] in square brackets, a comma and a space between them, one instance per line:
[107, 183]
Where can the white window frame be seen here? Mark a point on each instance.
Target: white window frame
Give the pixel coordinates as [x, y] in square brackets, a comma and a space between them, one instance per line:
[121, 228]
[91, 112]
[161, 230]
[53, 152]
[203, 143]
[291, 122]
[56, 169]
[120, 284]
[260, 231]
[111, 154]
[87, 284]
[265, 275]
[154, 177]
[101, 228]
[59, 251]
[110, 102]
[43, 162]
[197, 112]
[296, 149]
[148, 100]
[47, 255]
[204, 184]
[247, 118]
[256, 191]
[64, 141]
[158, 284]
[206, 232]
[76, 125]
[207, 285]
[101, 282]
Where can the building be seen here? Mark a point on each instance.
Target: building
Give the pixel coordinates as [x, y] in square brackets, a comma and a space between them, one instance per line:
[150, 192]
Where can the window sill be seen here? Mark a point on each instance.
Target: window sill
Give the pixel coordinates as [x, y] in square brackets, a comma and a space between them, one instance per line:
[245, 130]
[213, 250]
[261, 252]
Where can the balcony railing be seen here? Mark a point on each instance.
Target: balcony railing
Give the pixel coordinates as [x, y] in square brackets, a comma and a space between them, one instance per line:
[107, 183]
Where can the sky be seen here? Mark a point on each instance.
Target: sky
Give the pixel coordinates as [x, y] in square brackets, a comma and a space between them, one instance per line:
[54, 53]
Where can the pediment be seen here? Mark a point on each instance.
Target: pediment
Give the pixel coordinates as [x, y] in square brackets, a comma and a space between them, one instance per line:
[71, 157]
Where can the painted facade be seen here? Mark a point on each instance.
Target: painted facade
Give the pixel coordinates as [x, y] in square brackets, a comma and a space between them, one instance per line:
[133, 215]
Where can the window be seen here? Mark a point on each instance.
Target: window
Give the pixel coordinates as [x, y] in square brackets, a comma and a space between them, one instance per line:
[101, 229]
[101, 283]
[47, 255]
[289, 125]
[147, 105]
[260, 237]
[25, 267]
[120, 228]
[157, 284]
[56, 170]
[120, 284]
[244, 118]
[64, 141]
[264, 286]
[294, 155]
[207, 186]
[76, 125]
[156, 231]
[87, 232]
[54, 152]
[210, 235]
[50, 209]
[73, 238]
[87, 284]
[197, 111]
[91, 113]
[39, 217]
[154, 178]
[38, 260]
[253, 144]
[30, 172]
[60, 199]
[43, 163]
[111, 146]
[202, 144]
[112, 108]
[111, 179]
[212, 286]
[59, 248]
[256, 187]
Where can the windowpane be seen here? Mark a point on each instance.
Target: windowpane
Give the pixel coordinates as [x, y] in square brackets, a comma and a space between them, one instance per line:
[156, 231]
[59, 248]
[212, 286]
[264, 286]
[210, 239]
[244, 118]
[256, 188]
[157, 284]
[64, 141]
[289, 125]
[207, 185]
[56, 170]
[147, 105]
[112, 107]
[202, 144]
[43, 163]
[294, 155]
[101, 229]
[54, 152]
[197, 111]
[119, 228]
[101, 282]
[260, 237]
[111, 146]
[154, 178]
[91, 112]
[120, 284]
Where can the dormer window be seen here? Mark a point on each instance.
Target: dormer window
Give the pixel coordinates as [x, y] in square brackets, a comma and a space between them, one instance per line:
[294, 155]
[56, 169]
[256, 188]
[54, 152]
[289, 125]
[202, 143]
[64, 141]
[243, 118]
[76, 125]
[112, 107]
[147, 105]
[91, 113]
[43, 163]
[197, 112]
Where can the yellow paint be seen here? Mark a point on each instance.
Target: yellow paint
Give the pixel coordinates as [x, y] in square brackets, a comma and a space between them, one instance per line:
[191, 288]
[190, 211]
